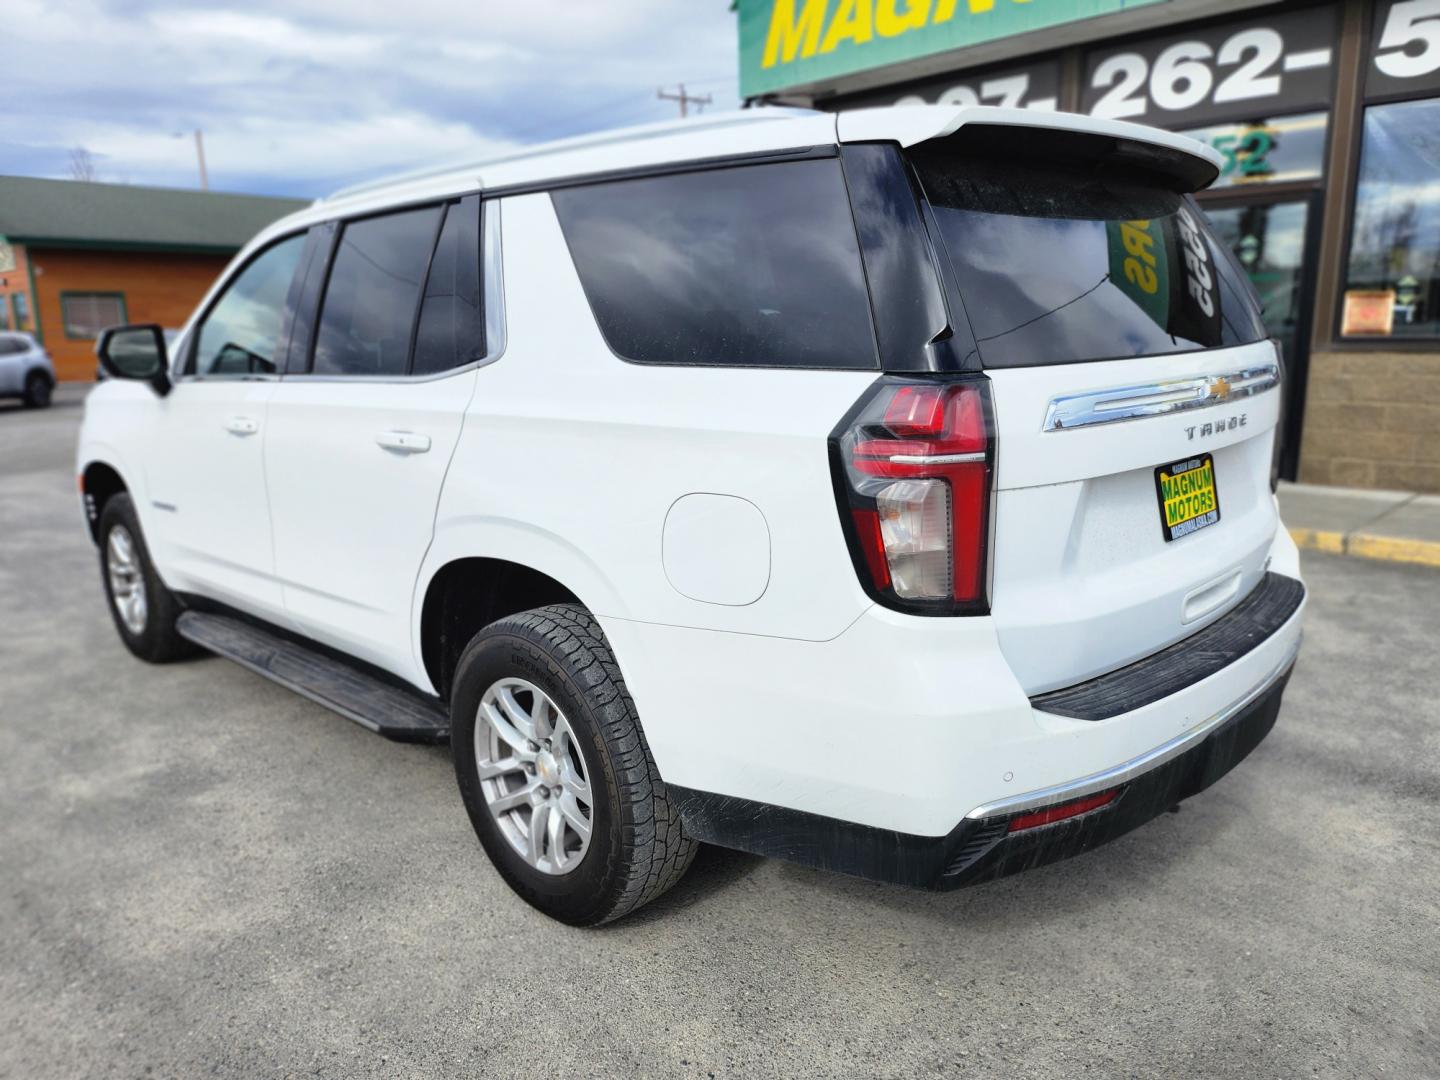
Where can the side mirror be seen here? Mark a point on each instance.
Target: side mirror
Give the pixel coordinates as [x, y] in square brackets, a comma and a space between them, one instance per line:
[136, 352]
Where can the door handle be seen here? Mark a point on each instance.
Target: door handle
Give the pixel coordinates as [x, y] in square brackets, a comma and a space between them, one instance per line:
[242, 425]
[405, 442]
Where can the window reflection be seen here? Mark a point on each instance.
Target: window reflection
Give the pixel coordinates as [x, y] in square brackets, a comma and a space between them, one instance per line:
[240, 335]
[1395, 243]
[755, 265]
[1267, 151]
[1058, 264]
[370, 301]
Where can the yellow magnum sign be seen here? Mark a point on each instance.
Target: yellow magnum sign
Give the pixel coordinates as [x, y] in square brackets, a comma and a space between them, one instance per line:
[790, 42]
[795, 25]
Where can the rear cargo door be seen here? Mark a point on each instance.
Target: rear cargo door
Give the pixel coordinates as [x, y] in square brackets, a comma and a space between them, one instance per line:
[1114, 538]
[1135, 396]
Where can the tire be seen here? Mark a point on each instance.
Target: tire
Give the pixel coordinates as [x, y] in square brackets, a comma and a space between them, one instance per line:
[133, 588]
[38, 389]
[636, 848]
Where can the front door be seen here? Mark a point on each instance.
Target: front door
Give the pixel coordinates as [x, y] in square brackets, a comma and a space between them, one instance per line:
[1273, 240]
[204, 468]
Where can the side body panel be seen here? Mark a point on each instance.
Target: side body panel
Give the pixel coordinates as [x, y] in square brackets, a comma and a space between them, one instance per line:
[571, 458]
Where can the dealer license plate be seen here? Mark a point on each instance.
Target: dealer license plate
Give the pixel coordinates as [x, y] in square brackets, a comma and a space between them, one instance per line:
[1188, 500]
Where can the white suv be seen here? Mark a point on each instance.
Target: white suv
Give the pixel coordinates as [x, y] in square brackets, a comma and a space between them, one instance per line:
[886, 491]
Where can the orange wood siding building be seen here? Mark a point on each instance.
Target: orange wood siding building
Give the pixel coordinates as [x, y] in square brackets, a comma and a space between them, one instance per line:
[76, 257]
[153, 287]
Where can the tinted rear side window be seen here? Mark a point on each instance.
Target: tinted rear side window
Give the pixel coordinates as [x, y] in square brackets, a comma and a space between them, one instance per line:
[752, 265]
[452, 331]
[1062, 263]
[373, 293]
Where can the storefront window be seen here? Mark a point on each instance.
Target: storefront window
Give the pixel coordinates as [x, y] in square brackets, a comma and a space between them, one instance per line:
[1268, 151]
[1392, 286]
[86, 315]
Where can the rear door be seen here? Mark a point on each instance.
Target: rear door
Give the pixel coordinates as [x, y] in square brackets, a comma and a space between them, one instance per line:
[360, 436]
[1135, 395]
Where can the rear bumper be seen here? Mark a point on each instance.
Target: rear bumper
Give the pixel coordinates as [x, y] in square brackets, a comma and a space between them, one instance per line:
[904, 726]
[982, 846]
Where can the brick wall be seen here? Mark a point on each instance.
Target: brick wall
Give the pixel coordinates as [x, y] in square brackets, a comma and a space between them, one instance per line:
[1373, 420]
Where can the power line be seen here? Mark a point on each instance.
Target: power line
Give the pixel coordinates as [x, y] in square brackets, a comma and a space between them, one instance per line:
[684, 99]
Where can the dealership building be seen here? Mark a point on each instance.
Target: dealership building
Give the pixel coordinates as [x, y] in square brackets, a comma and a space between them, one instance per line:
[1327, 117]
[76, 257]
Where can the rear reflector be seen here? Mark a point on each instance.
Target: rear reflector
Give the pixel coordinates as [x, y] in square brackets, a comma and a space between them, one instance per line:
[1052, 814]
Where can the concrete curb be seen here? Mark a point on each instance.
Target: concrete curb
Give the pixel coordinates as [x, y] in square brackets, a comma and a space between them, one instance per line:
[1389, 526]
[1366, 545]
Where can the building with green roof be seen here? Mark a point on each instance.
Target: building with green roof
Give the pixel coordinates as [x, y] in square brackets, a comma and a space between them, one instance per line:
[76, 257]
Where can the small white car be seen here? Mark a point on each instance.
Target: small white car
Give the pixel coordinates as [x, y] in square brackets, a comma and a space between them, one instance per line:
[887, 491]
[26, 371]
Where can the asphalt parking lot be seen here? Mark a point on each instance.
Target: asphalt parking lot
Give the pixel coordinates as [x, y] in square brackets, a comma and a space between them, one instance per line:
[203, 874]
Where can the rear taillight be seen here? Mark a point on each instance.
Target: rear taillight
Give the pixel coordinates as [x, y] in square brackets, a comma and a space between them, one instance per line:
[913, 465]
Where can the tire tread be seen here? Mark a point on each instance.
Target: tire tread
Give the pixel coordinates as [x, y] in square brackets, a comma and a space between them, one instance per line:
[662, 851]
[653, 850]
[161, 643]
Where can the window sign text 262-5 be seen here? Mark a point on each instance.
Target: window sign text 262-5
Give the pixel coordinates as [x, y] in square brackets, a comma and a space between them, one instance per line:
[1261, 66]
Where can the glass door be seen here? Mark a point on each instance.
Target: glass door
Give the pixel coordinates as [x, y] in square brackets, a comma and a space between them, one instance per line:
[1273, 241]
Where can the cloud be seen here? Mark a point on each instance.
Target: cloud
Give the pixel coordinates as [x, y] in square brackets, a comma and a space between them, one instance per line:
[299, 96]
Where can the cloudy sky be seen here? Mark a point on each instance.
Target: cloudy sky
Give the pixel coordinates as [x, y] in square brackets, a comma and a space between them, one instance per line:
[296, 97]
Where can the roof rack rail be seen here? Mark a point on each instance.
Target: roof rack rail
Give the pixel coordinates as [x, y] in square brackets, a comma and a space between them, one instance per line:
[559, 146]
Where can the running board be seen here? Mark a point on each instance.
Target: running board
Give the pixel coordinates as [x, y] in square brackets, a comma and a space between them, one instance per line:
[403, 715]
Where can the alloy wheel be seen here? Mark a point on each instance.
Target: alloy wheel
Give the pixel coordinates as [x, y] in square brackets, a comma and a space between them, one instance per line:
[533, 776]
[127, 583]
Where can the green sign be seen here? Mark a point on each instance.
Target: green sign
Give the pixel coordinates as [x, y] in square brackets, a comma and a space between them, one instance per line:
[1140, 266]
[791, 42]
[1165, 266]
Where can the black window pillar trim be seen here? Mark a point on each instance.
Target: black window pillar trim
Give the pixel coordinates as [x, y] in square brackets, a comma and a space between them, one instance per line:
[444, 216]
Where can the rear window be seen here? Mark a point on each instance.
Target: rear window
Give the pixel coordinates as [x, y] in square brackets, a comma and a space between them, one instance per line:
[1059, 263]
[752, 265]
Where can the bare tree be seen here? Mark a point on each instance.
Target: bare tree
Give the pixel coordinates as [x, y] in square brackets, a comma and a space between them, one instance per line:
[82, 165]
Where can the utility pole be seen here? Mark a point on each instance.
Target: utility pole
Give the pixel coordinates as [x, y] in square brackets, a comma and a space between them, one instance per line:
[200, 157]
[684, 99]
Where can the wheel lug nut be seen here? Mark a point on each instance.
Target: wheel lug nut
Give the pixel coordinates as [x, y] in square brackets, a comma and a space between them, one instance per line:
[530, 767]
[532, 746]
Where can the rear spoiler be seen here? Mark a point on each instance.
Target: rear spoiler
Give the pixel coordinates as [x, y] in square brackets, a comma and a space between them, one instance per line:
[1191, 165]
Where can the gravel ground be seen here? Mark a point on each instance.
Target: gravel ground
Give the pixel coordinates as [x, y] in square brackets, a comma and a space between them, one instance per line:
[203, 874]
